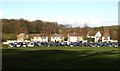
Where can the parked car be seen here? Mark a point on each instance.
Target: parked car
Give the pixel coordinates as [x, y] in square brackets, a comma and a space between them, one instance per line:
[37, 44]
[65, 44]
[31, 44]
[24, 44]
[11, 45]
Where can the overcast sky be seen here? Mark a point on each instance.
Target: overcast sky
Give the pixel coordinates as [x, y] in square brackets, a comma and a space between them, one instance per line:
[93, 13]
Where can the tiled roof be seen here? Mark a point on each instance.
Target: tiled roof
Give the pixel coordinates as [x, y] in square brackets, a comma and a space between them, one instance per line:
[106, 33]
[37, 35]
[57, 35]
[76, 34]
[92, 33]
[21, 34]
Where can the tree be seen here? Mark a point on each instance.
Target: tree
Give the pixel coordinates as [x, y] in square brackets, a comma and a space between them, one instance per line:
[85, 30]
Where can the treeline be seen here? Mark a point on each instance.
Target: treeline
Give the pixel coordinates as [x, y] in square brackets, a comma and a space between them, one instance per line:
[12, 27]
[21, 25]
[16, 26]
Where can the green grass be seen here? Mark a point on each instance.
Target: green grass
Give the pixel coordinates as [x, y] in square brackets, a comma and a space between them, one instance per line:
[65, 58]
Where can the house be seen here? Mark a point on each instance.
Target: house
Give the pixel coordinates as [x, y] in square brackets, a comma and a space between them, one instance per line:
[57, 37]
[99, 36]
[115, 37]
[21, 37]
[106, 37]
[95, 35]
[39, 38]
[75, 37]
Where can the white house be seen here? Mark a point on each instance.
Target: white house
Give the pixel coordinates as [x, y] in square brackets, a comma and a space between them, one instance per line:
[57, 38]
[36, 38]
[99, 36]
[96, 35]
[39, 38]
[75, 37]
[106, 36]
[44, 39]
[106, 39]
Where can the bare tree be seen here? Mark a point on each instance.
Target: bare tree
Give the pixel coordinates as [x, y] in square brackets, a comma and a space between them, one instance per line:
[85, 30]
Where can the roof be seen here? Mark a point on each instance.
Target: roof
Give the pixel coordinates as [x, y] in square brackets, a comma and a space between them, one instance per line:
[92, 33]
[21, 34]
[34, 34]
[37, 35]
[106, 33]
[76, 34]
[57, 35]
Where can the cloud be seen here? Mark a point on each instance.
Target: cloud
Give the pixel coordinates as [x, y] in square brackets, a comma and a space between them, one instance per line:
[102, 23]
[111, 22]
[77, 21]
[93, 23]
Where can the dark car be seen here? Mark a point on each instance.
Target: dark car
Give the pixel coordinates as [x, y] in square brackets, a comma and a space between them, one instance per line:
[11, 45]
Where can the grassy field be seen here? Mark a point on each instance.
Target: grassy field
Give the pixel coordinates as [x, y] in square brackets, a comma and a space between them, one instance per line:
[62, 58]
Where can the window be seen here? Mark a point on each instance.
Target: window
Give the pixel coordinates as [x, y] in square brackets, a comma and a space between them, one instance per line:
[97, 36]
[105, 38]
[43, 37]
[61, 37]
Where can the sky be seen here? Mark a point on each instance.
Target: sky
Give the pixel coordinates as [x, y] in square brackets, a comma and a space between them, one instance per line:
[75, 13]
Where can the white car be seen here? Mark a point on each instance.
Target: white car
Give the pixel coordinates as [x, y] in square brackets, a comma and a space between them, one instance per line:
[11, 45]
[24, 44]
[18, 44]
[31, 44]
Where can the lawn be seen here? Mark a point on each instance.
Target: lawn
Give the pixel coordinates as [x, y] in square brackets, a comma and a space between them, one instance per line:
[60, 58]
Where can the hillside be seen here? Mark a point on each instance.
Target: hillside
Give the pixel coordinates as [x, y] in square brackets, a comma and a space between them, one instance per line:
[12, 27]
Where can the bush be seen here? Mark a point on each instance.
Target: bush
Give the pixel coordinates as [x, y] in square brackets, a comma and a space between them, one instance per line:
[4, 45]
[90, 39]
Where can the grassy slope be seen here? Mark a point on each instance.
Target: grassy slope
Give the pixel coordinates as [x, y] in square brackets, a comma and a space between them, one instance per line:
[60, 58]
